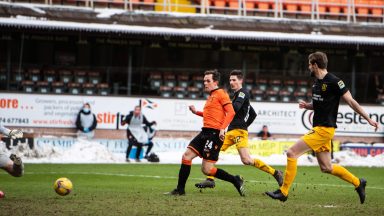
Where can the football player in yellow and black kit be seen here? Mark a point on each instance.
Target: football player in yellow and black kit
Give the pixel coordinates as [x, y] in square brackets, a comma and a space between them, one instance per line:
[238, 131]
[326, 93]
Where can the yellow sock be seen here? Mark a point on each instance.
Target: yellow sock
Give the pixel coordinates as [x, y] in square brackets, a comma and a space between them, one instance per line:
[344, 174]
[289, 176]
[211, 177]
[264, 167]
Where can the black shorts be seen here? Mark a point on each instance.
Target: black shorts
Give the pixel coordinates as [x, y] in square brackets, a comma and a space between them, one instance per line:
[207, 144]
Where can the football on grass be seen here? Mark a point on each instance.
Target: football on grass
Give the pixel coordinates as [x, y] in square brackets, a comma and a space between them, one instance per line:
[63, 186]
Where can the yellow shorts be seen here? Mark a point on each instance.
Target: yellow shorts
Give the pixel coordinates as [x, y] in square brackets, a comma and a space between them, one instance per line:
[236, 137]
[319, 138]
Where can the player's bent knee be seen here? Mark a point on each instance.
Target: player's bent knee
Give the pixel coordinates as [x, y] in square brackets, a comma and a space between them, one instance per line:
[291, 153]
[206, 170]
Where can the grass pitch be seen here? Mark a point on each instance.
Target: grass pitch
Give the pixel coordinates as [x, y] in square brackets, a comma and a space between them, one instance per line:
[137, 189]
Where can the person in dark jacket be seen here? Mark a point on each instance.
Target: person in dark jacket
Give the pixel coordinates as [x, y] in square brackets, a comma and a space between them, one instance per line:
[86, 122]
[136, 134]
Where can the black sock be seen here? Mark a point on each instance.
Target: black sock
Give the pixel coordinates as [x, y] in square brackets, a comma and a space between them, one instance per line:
[183, 176]
[221, 174]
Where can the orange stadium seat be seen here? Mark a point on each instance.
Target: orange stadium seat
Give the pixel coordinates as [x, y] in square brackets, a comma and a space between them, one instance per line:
[322, 6]
[305, 6]
[265, 5]
[250, 5]
[376, 7]
[249, 84]
[289, 85]
[94, 77]
[334, 6]
[272, 95]
[285, 95]
[275, 84]
[362, 7]
[198, 81]
[234, 5]
[291, 6]
[219, 3]
[183, 80]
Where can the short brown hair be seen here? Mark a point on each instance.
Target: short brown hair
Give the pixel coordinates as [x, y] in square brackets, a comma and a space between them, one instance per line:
[319, 58]
[215, 74]
[237, 73]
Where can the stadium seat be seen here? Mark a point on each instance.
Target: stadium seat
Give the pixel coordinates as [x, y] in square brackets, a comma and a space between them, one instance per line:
[285, 95]
[220, 4]
[66, 76]
[302, 86]
[193, 92]
[18, 75]
[43, 87]
[58, 87]
[74, 88]
[165, 91]
[169, 80]
[250, 5]
[289, 85]
[155, 80]
[183, 80]
[261, 84]
[34, 74]
[275, 84]
[362, 7]
[322, 7]
[89, 89]
[265, 5]
[272, 95]
[233, 5]
[94, 77]
[299, 95]
[179, 92]
[198, 81]
[249, 84]
[80, 76]
[49, 75]
[28, 86]
[103, 89]
[376, 7]
[305, 6]
[291, 6]
[380, 99]
[258, 94]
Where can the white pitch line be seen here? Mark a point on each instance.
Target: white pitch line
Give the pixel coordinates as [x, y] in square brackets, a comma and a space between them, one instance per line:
[171, 177]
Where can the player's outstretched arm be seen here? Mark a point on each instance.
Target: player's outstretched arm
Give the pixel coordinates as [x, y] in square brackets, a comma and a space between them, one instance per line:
[357, 108]
[194, 111]
[305, 105]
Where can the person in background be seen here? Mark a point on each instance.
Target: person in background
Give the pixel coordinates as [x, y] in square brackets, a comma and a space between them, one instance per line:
[264, 133]
[151, 132]
[136, 134]
[86, 122]
[12, 164]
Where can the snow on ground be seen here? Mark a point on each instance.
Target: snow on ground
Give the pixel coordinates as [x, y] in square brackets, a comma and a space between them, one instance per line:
[85, 151]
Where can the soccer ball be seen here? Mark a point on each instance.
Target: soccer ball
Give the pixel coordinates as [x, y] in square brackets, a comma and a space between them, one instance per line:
[63, 186]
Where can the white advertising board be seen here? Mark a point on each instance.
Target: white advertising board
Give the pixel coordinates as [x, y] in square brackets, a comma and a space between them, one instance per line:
[36, 110]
